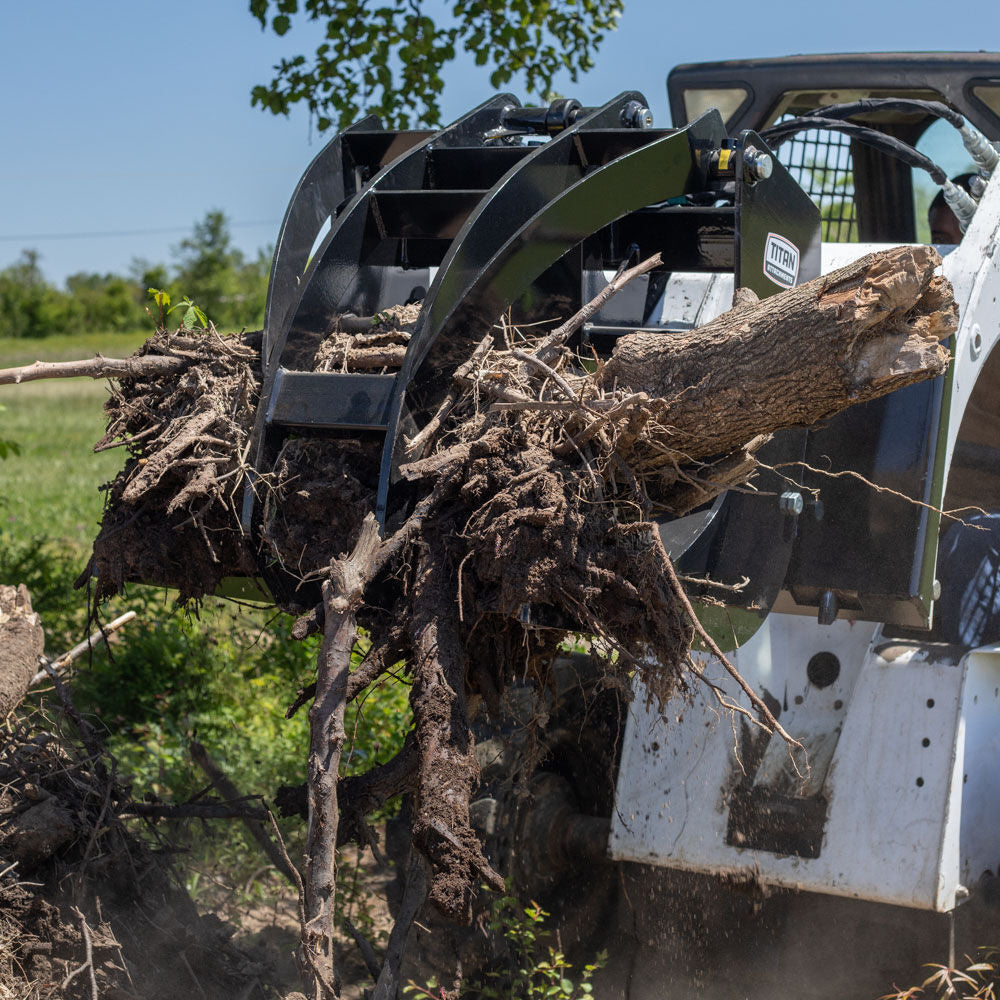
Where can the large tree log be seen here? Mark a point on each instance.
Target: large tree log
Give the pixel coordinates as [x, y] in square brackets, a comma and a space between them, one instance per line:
[863, 331]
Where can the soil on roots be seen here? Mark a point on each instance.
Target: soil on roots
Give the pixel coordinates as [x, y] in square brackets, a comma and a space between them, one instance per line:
[170, 515]
[511, 525]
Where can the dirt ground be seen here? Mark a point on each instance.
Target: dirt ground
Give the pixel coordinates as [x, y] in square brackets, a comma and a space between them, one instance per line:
[92, 905]
[268, 931]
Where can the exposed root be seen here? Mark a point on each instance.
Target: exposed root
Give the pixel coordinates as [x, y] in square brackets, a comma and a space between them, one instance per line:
[170, 512]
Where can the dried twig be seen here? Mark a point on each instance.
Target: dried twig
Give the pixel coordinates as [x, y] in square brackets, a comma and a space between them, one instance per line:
[196, 810]
[764, 714]
[547, 349]
[388, 984]
[420, 444]
[89, 963]
[231, 795]
[368, 955]
[146, 365]
[101, 635]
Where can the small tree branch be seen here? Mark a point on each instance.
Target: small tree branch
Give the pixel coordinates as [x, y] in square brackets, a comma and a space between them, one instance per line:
[414, 894]
[196, 810]
[101, 635]
[342, 595]
[97, 367]
[368, 955]
[231, 795]
[547, 349]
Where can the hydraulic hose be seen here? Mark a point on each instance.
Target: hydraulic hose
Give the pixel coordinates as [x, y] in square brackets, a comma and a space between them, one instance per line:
[888, 144]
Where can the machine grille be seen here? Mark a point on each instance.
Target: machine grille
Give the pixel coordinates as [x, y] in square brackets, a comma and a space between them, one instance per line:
[821, 163]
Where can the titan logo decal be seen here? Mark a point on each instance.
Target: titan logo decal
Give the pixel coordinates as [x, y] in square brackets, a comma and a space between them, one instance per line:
[781, 260]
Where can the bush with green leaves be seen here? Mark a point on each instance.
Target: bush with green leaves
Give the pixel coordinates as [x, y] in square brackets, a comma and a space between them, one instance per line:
[29, 305]
[224, 679]
[532, 966]
[230, 288]
[48, 569]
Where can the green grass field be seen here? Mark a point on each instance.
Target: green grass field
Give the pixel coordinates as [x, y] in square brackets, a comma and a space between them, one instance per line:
[51, 489]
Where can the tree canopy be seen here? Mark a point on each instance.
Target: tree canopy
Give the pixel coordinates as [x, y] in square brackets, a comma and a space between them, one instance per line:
[387, 60]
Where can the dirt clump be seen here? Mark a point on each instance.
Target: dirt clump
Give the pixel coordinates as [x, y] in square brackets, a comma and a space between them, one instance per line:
[170, 513]
[317, 500]
[85, 905]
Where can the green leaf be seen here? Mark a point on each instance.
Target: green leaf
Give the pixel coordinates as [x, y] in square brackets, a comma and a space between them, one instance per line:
[259, 10]
[160, 297]
[344, 76]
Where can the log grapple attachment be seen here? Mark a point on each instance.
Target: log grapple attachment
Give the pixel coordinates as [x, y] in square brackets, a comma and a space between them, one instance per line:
[509, 211]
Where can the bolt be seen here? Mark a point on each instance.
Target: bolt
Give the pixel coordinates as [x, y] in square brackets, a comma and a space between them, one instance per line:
[791, 503]
[976, 342]
[757, 165]
[636, 115]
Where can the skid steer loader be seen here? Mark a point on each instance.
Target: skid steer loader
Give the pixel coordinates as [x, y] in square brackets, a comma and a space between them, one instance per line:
[864, 621]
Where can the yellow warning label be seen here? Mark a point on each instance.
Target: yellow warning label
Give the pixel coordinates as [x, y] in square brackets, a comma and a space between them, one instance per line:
[724, 155]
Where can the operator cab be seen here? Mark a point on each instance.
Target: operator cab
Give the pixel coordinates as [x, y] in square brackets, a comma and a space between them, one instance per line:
[863, 195]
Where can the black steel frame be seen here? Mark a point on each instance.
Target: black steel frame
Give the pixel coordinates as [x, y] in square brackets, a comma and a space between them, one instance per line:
[497, 217]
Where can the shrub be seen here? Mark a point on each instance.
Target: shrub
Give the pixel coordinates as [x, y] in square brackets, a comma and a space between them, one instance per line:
[533, 967]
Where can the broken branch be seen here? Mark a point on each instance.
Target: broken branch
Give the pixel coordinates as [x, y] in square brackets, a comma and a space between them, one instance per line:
[141, 366]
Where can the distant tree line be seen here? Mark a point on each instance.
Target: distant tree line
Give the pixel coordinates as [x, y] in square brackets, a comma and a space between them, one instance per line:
[229, 288]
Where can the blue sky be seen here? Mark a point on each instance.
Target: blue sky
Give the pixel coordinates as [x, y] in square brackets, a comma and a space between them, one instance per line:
[132, 117]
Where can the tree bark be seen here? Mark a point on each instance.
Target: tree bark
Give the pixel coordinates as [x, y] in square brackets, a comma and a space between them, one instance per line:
[143, 365]
[21, 644]
[863, 331]
[342, 595]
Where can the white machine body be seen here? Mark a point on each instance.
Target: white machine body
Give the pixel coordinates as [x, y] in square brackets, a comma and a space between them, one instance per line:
[897, 796]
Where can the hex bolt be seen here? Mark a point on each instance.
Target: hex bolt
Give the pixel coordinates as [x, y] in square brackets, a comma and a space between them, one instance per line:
[757, 164]
[791, 503]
